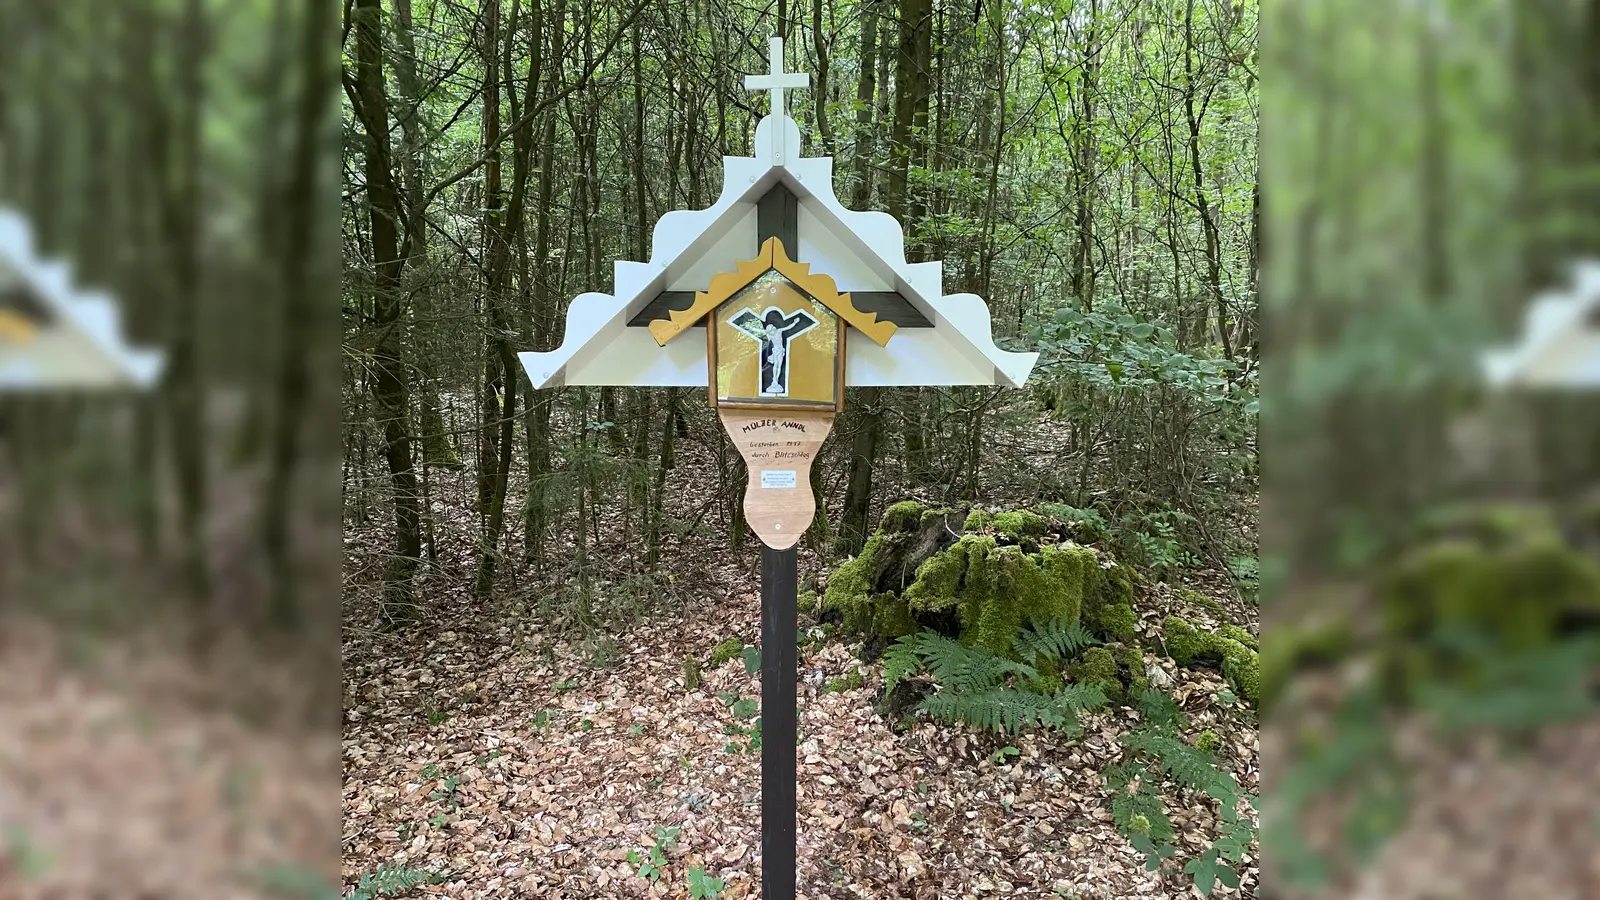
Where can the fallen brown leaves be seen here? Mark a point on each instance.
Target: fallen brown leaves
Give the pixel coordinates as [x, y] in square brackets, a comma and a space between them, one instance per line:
[116, 782]
[511, 766]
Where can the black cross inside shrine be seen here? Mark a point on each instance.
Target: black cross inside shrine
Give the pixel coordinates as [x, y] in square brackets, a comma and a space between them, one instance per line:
[774, 332]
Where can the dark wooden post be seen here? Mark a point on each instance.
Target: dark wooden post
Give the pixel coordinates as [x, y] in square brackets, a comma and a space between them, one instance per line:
[777, 216]
[778, 722]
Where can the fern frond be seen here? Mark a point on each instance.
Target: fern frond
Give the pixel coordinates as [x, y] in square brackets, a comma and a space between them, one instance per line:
[1058, 639]
[967, 670]
[1002, 710]
[1142, 802]
[1186, 765]
[1157, 707]
[1081, 697]
[901, 660]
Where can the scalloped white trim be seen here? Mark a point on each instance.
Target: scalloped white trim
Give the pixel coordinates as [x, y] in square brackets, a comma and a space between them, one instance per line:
[1560, 347]
[688, 246]
[85, 347]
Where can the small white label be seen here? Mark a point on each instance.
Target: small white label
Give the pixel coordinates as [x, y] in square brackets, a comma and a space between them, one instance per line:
[778, 478]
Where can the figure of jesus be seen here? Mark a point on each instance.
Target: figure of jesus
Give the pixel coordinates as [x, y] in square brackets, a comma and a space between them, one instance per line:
[773, 330]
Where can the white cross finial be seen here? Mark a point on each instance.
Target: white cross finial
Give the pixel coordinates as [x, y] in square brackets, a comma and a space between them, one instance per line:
[775, 82]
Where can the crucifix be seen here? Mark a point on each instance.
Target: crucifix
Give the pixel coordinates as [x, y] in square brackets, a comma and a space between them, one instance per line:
[773, 332]
[775, 82]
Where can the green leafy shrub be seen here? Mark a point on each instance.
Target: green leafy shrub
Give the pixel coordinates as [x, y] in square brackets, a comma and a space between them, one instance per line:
[1084, 525]
[703, 886]
[653, 862]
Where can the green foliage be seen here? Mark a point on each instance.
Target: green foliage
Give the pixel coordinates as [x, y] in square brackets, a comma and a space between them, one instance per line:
[1122, 374]
[726, 649]
[1156, 753]
[978, 520]
[1241, 665]
[703, 886]
[389, 881]
[987, 691]
[1009, 710]
[1020, 524]
[1084, 525]
[652, 862]
[1207, 742]
[752, 659]
[1246, 572]
[1054, 639]
[281, 880]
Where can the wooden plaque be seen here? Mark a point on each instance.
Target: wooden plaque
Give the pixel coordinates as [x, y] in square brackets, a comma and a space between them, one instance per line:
[778, 448]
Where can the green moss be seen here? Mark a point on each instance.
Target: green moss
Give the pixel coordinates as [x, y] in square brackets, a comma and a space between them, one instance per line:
[1116, 622]
[725, 650]
[978, 520]
[1503, 570]
[939, 578]
[1183, 641]
[978, 589]
[1296, 646]
[1239, 634]
[845, 682]
[902, 516]
[806, 604]
[1517, 591]
[1243, 671]
[1004, 588]
[691, 673]
[850, 595]
[1098, 666]
[1139, 824]
[1241, 665]
[1107, 587]
[1190, 595]
[1020, 524]
[1132, 659]
[1207, 741]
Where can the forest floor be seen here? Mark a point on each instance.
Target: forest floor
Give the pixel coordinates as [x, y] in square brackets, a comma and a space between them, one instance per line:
[511, 761]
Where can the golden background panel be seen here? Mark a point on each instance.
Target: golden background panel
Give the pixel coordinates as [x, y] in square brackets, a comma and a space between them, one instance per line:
[808, 364]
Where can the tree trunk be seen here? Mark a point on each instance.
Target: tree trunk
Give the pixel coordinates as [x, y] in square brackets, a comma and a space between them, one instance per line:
[389, 375]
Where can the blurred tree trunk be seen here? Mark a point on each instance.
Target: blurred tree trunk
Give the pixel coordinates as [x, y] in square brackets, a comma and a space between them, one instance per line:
[302, 213]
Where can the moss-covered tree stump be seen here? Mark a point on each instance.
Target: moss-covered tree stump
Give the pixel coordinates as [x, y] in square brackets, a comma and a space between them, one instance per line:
[978, 577]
